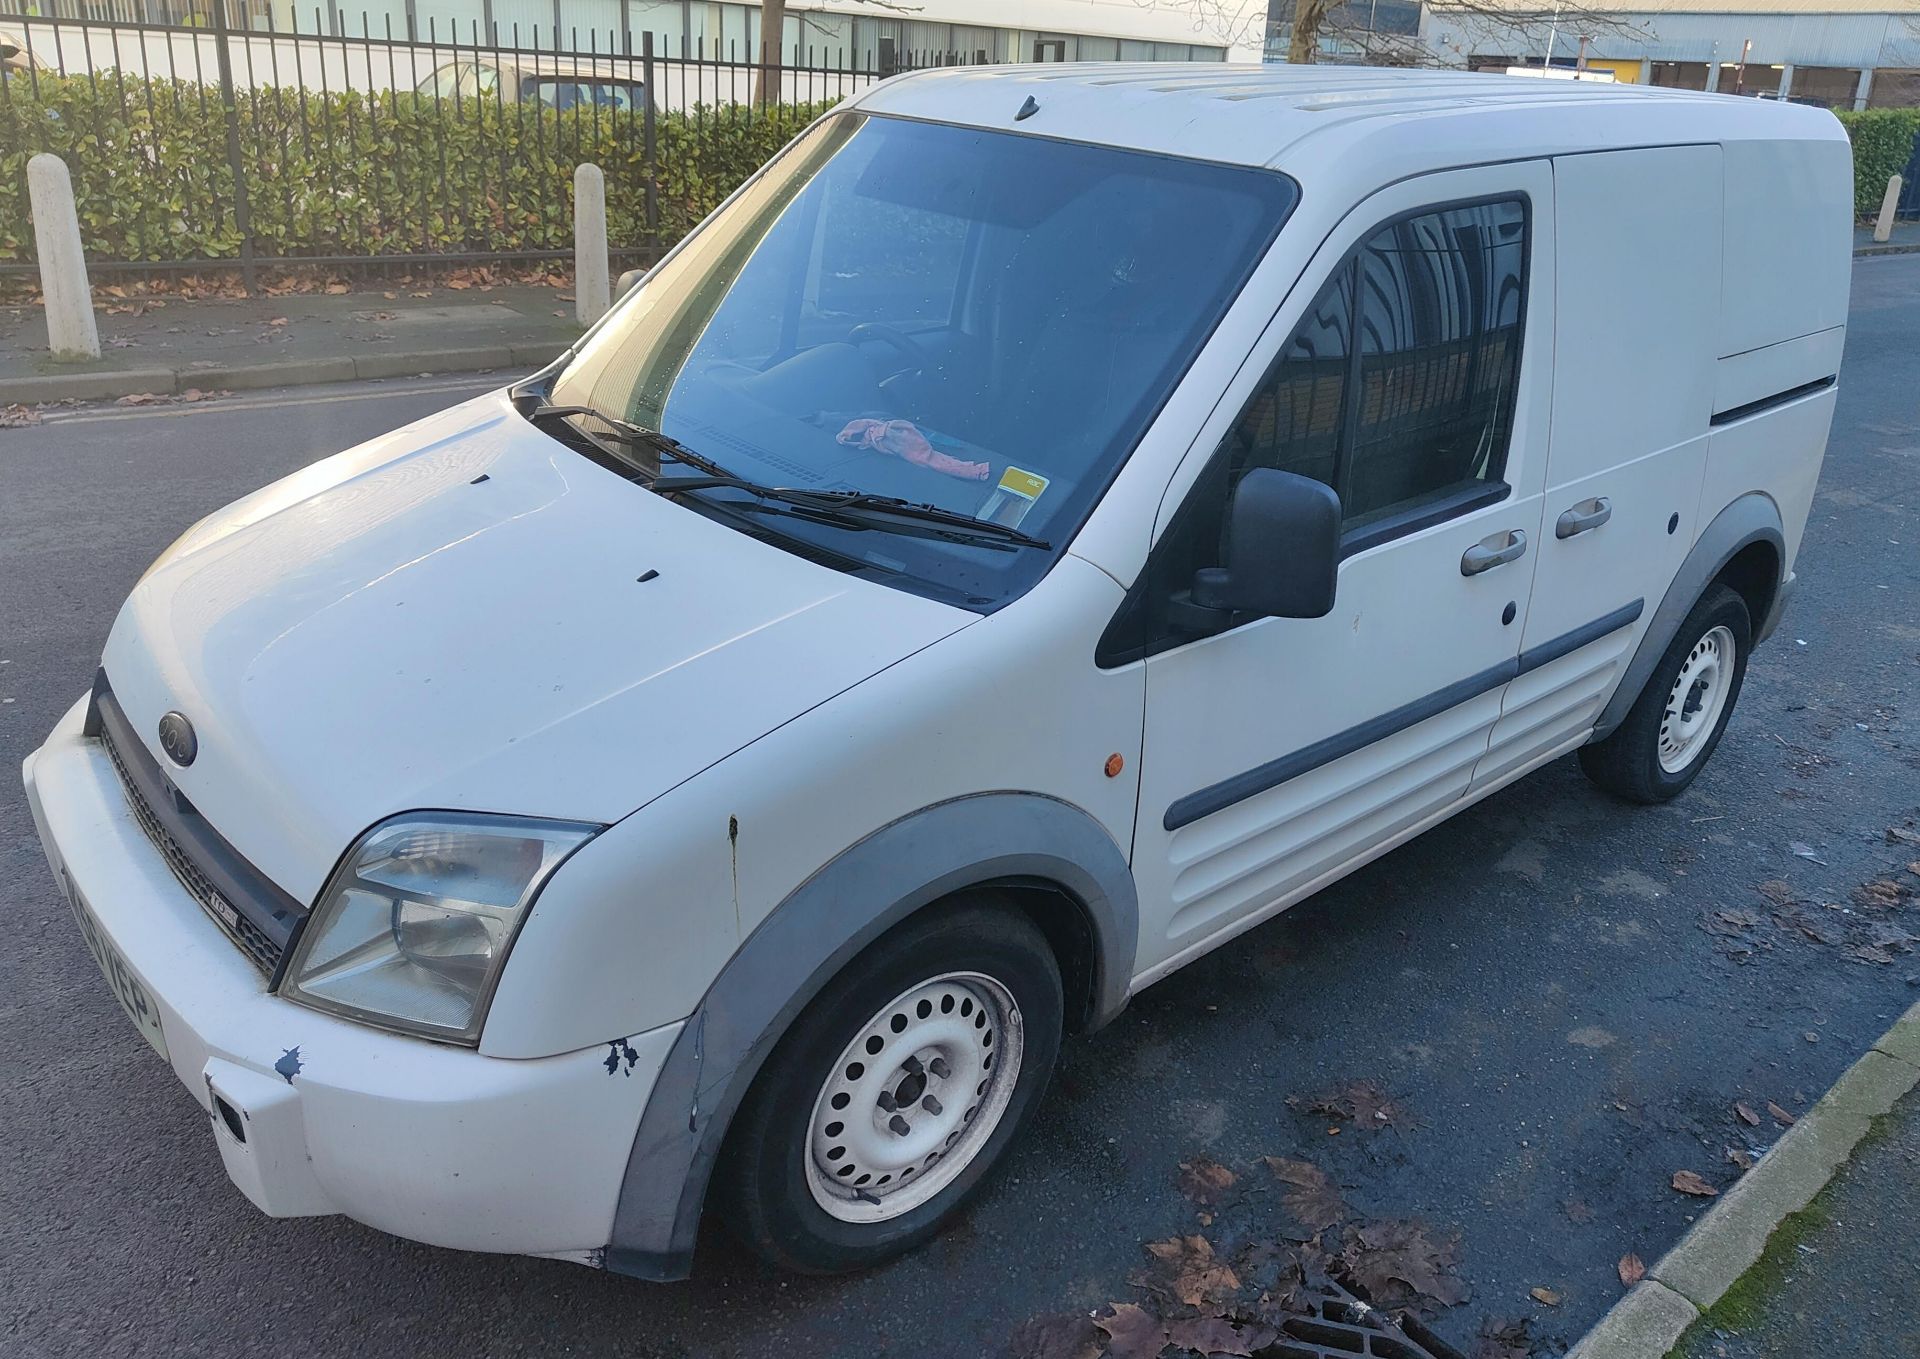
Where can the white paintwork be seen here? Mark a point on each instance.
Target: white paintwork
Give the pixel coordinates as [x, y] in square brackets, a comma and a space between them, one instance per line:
[593, 293]
[67, 298]
[432, 1142]
[1221, 706]
[380, 633]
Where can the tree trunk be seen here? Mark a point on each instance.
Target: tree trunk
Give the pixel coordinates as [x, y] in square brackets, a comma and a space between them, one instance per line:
[1308, 15]
[773, 21]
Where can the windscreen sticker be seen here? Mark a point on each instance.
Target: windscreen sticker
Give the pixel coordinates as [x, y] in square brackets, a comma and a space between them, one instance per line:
[1013, 497]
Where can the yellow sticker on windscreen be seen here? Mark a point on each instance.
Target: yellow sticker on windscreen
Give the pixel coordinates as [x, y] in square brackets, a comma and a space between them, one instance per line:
[1013, 497]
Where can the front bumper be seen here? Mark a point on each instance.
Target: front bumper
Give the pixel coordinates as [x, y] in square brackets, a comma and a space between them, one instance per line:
[314, 1114]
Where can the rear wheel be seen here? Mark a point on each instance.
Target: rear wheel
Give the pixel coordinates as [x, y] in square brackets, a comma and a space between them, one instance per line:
[1675, 724]
[896, 1091]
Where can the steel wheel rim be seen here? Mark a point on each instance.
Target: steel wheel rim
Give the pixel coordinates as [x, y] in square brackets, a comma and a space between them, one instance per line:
[942, 1060]
[1696, 700]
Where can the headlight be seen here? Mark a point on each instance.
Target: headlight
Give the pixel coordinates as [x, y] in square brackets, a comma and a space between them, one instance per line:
[413, 929]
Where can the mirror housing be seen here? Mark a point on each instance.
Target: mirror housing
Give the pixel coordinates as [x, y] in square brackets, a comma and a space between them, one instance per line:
[1282, 552]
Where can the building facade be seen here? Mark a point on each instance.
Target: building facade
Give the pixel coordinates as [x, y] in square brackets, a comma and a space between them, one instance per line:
[856, 33]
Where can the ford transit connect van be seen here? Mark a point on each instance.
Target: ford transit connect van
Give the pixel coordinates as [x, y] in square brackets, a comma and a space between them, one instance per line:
[1043, 525]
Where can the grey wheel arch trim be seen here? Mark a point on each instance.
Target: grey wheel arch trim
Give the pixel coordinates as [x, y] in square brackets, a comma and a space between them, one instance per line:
[1753, 518]
[854, 899]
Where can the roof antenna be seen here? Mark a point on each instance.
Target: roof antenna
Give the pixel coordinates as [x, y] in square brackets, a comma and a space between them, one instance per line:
[1027, 110]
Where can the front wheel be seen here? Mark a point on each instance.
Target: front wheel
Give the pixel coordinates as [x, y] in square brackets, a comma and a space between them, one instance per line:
[895, 1091]
[1674, 725]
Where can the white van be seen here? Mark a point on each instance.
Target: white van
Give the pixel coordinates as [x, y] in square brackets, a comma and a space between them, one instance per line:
[1043, 525]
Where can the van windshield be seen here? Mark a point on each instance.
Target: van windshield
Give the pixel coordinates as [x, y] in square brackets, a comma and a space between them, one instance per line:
[984, 322]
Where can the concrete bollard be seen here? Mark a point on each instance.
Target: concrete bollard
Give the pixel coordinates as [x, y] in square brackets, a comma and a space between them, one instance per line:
[71, 333]
[591, 285]
[1883, 229]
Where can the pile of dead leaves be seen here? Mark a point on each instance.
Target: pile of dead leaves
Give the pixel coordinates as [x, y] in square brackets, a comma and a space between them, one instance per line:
[18, 417]
[1361, 1103]
[1865, 931]
[1239, 1294]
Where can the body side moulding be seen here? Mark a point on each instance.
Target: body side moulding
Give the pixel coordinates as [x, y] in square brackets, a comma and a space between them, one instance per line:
[821, 926]
[1752, 518]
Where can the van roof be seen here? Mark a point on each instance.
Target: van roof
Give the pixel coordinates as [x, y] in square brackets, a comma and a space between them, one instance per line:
[1291, 116]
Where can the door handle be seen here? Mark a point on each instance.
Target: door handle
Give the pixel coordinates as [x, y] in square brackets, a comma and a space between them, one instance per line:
[1494, 550]
[1588, 514]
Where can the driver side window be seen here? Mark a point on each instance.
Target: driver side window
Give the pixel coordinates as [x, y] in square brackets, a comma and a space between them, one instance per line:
[1396, 389]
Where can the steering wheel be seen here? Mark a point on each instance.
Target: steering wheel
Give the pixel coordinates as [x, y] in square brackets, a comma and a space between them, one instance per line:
[909, 348]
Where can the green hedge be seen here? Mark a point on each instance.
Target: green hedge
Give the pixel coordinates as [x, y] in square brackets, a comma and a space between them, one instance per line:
[1882, 145]
[360, 174]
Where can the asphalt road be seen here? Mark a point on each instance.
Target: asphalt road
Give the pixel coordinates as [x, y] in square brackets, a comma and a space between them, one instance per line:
[1530, 982]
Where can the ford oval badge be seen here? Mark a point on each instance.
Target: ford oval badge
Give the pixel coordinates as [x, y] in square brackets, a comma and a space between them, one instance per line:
[178, 740]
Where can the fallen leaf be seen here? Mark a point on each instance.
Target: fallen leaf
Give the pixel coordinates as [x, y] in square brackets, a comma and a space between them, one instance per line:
[1133, 1332]
[1361, 1101]
[1689, 1183]
[459, 283]
[1505, 1338]
[1210, 1335]
[1311, 1196]
[1205, 1181]
[1900, 835]
[1190, 1273]
[421, 294]
[1781, 1116]
[1914, 867]
[276, 320]
[1869, 953]
[18, 416]
[1740, 1157]
[1747, 1116]
[138, 399]
[1545, 1296]
[1398, 1264]
[1632, 1269]
[1776, 891]
[1063, 1335]
[390, 296]
[1880, 894]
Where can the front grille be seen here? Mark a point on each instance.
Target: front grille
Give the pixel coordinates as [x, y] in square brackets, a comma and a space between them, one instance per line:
[263, 951]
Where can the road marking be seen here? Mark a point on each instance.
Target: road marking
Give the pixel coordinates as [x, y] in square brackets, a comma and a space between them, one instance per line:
[427, 387]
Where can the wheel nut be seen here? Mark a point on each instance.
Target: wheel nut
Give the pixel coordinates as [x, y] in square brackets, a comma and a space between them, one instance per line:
[930, 1104]
[938, 1066]
[885, 1101]
[899, 1125]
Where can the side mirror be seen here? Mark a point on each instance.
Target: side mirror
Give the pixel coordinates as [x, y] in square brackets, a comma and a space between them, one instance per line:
[1283, 549]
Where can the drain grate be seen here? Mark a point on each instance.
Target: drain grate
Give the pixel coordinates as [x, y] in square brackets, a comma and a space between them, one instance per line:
[1343, 1326]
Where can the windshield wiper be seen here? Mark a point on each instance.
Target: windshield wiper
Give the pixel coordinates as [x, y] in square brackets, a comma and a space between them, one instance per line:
[625, 432]
[864, 509]
[846, 509]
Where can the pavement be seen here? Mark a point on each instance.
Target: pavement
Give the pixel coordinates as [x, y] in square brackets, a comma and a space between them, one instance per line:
[169, 345]
[166, 344]
[1544, 986]
[1904, 237]
[1840, 1276]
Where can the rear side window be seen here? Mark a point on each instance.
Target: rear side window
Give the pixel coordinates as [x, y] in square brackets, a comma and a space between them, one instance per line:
[1396, 389]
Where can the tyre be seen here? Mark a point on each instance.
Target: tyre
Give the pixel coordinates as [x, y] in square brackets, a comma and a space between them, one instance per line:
[1673, 727]
[892, 1096]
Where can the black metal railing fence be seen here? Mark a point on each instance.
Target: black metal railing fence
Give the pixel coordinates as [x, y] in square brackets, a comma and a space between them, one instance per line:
[200, 144]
